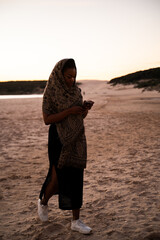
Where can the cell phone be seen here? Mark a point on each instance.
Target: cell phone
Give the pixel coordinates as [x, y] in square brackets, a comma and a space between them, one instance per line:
[88, 104]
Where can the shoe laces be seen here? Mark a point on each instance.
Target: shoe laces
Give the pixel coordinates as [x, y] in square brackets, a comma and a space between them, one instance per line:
[81, 223]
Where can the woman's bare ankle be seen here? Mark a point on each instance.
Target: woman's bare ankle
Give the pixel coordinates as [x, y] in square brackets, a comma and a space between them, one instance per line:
[44, 202]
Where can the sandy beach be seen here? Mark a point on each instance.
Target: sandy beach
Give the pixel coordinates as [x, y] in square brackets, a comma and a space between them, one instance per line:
[122, 178]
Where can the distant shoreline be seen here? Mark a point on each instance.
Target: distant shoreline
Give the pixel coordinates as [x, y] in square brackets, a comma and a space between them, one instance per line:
[20, 96]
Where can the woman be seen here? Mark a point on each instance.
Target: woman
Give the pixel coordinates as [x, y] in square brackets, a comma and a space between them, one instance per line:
[64, 110]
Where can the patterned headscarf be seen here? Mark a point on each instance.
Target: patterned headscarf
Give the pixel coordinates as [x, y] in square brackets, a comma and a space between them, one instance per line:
[58, 97]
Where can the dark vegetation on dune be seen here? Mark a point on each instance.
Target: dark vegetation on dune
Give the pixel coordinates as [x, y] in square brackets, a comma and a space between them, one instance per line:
[147, 79]
[22, 87]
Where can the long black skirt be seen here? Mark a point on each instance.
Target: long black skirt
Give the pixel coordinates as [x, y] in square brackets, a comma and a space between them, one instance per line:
[70, 179]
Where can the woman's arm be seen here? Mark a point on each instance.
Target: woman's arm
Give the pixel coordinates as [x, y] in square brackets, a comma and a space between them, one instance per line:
[57, 117]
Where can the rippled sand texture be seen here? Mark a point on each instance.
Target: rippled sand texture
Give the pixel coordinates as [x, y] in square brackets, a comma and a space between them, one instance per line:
[122, 179]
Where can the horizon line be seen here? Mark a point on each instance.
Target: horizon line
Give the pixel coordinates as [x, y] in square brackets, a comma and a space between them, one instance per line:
[34, 80]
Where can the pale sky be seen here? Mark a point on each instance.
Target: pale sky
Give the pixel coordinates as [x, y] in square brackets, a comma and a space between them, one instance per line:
[107, 38]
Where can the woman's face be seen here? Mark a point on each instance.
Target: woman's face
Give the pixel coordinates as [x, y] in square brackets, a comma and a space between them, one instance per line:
[70, 76]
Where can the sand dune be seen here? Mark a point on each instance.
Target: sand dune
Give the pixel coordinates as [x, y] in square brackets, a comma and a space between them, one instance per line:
[122, 179]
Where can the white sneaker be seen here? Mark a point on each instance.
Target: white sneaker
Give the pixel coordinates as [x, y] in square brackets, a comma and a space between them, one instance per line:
[42, 211]
[79, 226]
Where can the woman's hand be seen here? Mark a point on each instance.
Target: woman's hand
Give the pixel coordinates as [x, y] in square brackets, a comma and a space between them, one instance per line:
[76, 110]
[85, 112]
